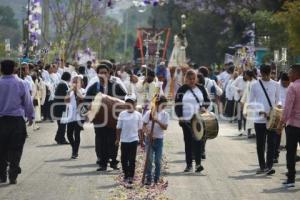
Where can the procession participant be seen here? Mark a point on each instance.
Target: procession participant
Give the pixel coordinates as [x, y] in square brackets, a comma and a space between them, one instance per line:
[230, 108]
[36, 99]
[239, 85]
[50, 90]
[250, 77]
[213, 90]
[111, 77]
[155, 142]
[191, 99]
[82, 71]
[291, 119]
[26, 75]
[104, 135]
[59, 107]
[212, 87]
[147, 88]
[283, 87]
[75, 121]
[15, 105]
[264, 95]
[90, 71]
[129, 132]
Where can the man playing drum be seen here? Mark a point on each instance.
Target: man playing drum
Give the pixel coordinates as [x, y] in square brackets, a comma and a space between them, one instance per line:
[105, 136]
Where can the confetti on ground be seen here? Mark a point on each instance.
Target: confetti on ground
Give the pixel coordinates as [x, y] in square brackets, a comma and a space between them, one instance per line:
[137, 191]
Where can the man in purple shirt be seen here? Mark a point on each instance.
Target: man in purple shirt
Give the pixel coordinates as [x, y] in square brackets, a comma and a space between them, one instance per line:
[15, 104]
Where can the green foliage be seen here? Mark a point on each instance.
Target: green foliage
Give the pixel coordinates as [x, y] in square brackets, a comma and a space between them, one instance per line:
[2, 50]
[289, 17]
[206, 45]
[7, 17]
[266, 26]
[9, 26]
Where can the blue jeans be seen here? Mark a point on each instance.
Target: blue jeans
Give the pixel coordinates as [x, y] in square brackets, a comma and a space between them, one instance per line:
[156, 152]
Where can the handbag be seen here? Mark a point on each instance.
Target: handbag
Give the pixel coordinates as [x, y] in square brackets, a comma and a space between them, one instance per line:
[65, 116]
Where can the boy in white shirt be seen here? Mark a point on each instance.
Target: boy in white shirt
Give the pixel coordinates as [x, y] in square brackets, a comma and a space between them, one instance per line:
[129, 129]
[155, 141]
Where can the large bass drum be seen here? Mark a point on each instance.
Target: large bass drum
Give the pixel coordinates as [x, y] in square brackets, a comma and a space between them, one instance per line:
[274, 118]
[205, 125]
[104, 110]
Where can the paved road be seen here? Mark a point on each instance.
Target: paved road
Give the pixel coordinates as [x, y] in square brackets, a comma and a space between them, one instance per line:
[229, 170]
[48, 172]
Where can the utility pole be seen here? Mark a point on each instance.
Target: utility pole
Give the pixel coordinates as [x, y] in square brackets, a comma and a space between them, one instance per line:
[27, 30]
[45, 21]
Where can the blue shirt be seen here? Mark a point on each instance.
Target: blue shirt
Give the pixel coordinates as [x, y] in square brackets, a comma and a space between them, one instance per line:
[15, 98]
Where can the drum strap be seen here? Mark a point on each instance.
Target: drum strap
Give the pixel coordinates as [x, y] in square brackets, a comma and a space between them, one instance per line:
[198, 101]
[264, 89]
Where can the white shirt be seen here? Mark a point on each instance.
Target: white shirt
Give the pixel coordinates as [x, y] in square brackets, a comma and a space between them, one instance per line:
[73, 112]
[30, 82]
[224, 77]
[239, 85]
[282, 93]
[230, 90]
[163, 117]
[190, 104]
[60, 71]
[45, 76]
[91, 73]
[258, 101]
[130, 124]
[209, 83]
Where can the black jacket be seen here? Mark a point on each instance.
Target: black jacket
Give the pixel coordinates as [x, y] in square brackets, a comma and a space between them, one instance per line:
[179, 96]
[60, 93]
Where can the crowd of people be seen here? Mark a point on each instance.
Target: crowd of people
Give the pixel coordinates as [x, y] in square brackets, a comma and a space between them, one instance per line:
[34, 93]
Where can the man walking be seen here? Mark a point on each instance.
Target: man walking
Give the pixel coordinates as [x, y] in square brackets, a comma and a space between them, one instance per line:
[15, 104]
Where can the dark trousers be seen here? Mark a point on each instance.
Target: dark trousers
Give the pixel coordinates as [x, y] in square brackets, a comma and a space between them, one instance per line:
[61, 131]
[46, 108]
[241, 118]
[105, 145]
[277, 145]
[128, 155]
[12, 139]
[262, 136]
[192, 146]
[292, 139]
[73, 134]
[230, 108]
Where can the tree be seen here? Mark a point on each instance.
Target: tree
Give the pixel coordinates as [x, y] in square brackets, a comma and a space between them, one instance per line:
[266, 25]
[72, 19]
[9, 26]
[289, 16]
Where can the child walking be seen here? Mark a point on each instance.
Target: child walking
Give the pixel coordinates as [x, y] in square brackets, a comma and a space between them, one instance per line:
[129, 129]
[155, 141]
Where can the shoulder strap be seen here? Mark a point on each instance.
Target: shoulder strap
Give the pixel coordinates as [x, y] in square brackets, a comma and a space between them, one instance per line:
[270, 104]
[198, 101]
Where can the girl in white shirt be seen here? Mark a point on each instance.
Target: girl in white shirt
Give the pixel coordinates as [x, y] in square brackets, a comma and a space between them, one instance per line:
[75, 121]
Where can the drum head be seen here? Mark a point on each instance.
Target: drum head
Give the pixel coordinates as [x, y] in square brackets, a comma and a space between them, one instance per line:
[198, 127]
